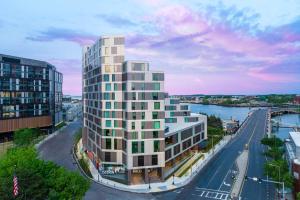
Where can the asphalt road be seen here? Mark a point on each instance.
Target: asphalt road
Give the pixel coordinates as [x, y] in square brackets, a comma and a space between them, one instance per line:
[58, 150]
[213, 182]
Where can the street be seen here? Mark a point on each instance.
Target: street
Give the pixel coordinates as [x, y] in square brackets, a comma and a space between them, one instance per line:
[213, 182]
[58, 150]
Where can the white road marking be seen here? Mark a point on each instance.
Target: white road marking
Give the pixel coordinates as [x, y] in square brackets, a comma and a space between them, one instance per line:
[212, 194]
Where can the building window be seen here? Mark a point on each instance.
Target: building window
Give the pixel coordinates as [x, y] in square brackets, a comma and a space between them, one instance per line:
[143, 125]
[133, 125]
[107, 156]
[143, 105]
[143, 115]
[108, 105]
[108, 143]
[115, 144]
[156, 125]
[155, 95]
[106, 114]
[156, 105]
[107, 87]
[142, 147]
[132, 105]
[143, 134]
[156, 86]
[115, 87]
[134, 115]
[108, 123]
[134, 147]
[134, 135]
[116, 124]
[106, 77]
[140, 161]
[156, 145]
[154, 115]
[155, 134]
[154, 160]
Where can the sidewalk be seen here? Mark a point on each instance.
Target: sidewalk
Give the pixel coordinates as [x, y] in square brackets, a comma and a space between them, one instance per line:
[167, 184]
[162, 186]
[242, 165]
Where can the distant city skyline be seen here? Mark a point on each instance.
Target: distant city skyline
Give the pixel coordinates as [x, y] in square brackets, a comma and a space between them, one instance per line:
[207, 47]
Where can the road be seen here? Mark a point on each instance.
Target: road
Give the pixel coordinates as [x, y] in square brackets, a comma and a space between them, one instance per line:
[58, 149]
[215, 180]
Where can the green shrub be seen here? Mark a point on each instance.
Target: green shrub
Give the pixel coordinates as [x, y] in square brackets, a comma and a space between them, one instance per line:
[37, 178]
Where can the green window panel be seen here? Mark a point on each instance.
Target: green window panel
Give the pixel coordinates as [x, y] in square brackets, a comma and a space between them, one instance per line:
[108, 105]
[134, 147]
[108, 123]
[156, 125]
[156, 105]
[156, 145]
[107, 87]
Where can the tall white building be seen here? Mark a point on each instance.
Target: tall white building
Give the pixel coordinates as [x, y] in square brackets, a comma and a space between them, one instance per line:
[124, 120]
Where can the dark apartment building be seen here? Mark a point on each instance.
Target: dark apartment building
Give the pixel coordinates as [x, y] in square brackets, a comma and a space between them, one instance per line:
[30, 94]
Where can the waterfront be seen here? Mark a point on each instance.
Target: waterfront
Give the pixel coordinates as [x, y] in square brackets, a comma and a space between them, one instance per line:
[289, 119]
[225, 113]
[240, 113]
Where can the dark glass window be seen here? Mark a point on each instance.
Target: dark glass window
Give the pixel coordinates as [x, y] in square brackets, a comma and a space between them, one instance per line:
[140, 160]
[154, 160]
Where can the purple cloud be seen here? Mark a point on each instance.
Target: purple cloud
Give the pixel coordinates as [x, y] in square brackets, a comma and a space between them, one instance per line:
[52, 34]
[117, 21]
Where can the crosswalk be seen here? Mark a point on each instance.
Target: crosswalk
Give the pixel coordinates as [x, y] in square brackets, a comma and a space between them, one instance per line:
[211, 194]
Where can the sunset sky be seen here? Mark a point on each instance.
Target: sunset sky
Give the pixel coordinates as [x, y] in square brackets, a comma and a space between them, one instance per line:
[204, 47]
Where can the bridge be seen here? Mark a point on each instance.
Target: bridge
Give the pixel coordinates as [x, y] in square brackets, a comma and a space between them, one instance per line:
[275, 111]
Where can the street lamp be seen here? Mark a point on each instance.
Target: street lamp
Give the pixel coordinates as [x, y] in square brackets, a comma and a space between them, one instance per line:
[173, 179]
[273, 165]
[149, 180]
[277, 166]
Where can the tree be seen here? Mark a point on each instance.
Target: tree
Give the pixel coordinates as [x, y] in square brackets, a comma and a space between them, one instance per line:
[26, 136]
[272, 170]
[215, 122]
[275, 152]
[298, 196]
[272, 142]
[38, 179]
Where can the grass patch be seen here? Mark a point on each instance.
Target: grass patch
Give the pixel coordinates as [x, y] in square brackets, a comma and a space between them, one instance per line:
[84, 165]
[4, 147]
[189, 167]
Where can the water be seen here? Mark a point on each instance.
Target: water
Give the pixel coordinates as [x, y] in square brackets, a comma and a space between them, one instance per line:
[225, 113]
[240, 113]
[290, 119]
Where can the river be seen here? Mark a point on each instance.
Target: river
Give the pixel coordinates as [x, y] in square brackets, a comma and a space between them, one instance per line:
[225, 113]
[290, 119]
[240, 113]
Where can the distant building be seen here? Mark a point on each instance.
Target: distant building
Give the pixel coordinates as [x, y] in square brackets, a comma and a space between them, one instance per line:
[30, 94]
[67, 98]
[230, 126]
[72, 110]
[293, 157]
[297, 100]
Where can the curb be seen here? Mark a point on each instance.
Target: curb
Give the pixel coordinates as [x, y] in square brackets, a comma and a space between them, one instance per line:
[147, 191]
[49, 137]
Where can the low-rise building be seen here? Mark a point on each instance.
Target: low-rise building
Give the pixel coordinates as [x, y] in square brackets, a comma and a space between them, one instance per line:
[297, 100]
[293, 157]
